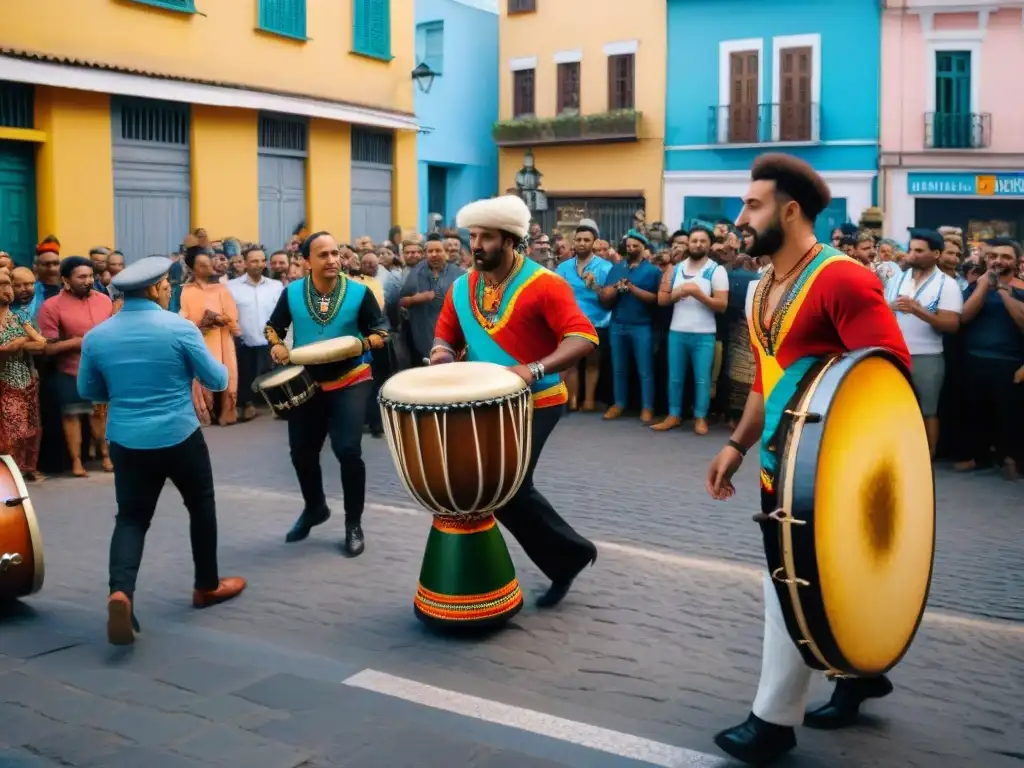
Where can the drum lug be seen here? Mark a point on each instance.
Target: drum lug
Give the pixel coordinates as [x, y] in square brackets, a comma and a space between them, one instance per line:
[10, 559]
[782, 516]
[15, 501]
[810, 418]
[832, 674]
[784, 580]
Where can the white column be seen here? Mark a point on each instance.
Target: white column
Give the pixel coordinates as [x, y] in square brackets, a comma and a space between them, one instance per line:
[673, 204]
[901, 214]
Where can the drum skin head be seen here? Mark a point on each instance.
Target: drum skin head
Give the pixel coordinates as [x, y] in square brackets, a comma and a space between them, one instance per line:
[278, 377]
[862, 479]
[452, 383]
[327, 351]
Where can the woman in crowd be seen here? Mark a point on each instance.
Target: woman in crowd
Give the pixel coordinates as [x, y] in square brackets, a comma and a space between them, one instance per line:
[208, 303]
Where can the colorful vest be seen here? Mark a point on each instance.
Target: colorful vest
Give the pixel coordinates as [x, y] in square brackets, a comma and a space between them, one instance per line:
[480, 343]
[306, 330]
[781, 385]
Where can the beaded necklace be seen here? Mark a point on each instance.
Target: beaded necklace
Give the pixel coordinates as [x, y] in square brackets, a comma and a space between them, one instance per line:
[488, 298]
[768, 334]
[323, 308]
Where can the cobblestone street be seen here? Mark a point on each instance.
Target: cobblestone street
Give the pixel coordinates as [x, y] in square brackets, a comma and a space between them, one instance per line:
[321, 662]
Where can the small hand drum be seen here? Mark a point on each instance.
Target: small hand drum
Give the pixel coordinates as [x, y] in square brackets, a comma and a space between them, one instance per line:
[460, 436]
[286, 388]
[327, 351]
[21, 544]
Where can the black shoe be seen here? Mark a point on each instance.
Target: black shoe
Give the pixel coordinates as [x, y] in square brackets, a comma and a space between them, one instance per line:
[559, 589]
[843, 709]
[756, 742]
[355, 543]
[307, 520]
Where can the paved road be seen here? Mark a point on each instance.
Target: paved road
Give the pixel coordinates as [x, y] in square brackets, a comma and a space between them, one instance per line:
[658, 644]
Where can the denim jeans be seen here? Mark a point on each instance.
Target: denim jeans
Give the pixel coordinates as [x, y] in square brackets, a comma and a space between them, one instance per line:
[339, 414]
[639, 340]
[684, 350]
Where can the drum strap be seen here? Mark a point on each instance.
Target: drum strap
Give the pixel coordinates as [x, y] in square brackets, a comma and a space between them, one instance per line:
[783, 395]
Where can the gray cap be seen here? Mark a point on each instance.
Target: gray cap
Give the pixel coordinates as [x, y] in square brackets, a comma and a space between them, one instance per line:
[142, 274]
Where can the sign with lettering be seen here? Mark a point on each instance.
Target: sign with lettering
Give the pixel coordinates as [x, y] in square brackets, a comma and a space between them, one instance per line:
[965, 184]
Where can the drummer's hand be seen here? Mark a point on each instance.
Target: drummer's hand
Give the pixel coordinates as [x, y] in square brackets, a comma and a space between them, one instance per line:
[373, 341]
[441, 357]
[720, 472]
[522, 372]
[279, 353]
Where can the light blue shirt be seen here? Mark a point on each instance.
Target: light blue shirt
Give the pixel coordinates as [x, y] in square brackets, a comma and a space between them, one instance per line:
[586, 298]
[142, 362]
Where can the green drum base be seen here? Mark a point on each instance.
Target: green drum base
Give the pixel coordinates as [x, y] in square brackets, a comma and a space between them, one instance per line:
[467, 580]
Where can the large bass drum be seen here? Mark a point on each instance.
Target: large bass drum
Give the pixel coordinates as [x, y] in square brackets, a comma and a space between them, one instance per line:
[21, 544]
[850, 548]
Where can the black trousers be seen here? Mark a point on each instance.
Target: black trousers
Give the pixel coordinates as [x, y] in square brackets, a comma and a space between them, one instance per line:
[383, 365]
[997, 412]
[339, 414]
[252, 363]
[139, 477]
[550, 542]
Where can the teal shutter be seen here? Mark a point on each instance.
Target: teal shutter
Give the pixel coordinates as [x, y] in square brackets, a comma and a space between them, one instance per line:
[185, 6]
[284, 17]
[952, 126]
[371, 28]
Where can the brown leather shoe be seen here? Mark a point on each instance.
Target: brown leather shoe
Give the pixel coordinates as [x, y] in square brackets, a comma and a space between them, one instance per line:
[229, 587]
[670, 422]
[700, 426]
[646, 416]
[119, 620]
[612, 413]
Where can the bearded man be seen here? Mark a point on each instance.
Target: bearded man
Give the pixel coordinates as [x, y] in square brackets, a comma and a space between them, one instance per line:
[512, 311]
[830, 305]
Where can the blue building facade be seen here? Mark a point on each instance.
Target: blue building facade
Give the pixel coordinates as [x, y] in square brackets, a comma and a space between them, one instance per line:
[458, 160]
[747, 77]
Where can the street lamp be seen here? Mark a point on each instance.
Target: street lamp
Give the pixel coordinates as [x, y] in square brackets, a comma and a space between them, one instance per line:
[528, 184]
[424, 76]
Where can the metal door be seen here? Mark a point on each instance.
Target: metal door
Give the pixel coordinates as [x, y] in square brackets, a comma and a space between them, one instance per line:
[372, 184]
[283, 149]
[152, 177]
[17, 201]
[614, 216]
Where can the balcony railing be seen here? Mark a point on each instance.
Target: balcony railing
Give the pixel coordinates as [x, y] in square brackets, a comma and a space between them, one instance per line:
[605, 128]
[952, 130]
[764, 123]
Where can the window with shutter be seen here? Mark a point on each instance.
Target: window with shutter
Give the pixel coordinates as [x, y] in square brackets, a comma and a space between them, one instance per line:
[430, 45]
[17, 105]
[522, 6]
[795, 94]
[743, 96]
[568, 87]
[184, 6]
[284, 17]
[621, 77]
[371, 28]
[952, 124]
[523, 93]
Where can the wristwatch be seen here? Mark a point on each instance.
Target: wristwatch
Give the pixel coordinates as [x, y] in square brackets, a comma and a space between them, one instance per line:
[536, 370]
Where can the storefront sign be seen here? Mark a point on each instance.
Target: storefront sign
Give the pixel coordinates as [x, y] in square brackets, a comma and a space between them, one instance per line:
[965, 184]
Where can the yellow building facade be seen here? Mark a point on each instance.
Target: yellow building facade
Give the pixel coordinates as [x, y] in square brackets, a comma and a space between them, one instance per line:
[130, 122]
[583, 93]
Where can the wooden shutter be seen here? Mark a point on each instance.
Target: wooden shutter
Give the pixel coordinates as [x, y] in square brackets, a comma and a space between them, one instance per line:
[568, 87]
[523, 93]
[952, 121]
[371, 28]
[795, 94]
[621, 82]
[522, 6]
[744, 68]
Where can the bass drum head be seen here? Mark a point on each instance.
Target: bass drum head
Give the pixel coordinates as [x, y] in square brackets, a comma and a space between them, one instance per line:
[874, 514]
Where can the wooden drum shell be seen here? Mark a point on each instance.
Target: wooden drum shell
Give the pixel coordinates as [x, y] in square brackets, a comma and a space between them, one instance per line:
[19, 535]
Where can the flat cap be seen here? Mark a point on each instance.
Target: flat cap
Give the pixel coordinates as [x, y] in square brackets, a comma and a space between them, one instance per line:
[142, 274]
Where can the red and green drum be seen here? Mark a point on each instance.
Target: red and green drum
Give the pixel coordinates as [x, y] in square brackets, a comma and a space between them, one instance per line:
[460, 438]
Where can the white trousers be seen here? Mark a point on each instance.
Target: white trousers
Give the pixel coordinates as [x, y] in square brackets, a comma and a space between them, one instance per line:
[785, 678]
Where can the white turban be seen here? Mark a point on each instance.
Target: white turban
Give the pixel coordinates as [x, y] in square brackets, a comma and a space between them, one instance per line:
[507, 213]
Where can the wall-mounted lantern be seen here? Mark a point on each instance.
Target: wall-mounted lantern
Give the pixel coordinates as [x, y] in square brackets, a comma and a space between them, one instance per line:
[424, 76]
[528, 184]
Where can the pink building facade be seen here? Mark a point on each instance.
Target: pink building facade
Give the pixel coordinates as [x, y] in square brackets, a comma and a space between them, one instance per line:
[952, 117]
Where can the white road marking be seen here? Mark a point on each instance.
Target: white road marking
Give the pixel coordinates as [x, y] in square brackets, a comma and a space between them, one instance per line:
[665, 557]
[538, 723]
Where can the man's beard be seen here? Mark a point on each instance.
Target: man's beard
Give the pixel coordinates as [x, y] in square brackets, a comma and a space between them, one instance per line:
[769, 242]
[583, 255]
[81, 291]
[696, 255]
[486, 261]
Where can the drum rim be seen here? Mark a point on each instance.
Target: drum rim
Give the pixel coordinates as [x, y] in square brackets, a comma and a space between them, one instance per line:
[34, 534]
[806, 603]
[299, 370]
[403, 407]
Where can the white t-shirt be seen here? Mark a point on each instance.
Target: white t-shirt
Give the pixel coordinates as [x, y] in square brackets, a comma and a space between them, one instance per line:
[688, 314]
[936, 291]
[748, 304]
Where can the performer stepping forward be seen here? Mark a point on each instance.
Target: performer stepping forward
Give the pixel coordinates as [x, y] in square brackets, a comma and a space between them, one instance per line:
[154, 433]
[327, 305]
[511, 311]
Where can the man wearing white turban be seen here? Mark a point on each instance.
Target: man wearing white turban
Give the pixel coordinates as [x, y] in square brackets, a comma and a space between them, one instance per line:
[511, 311]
